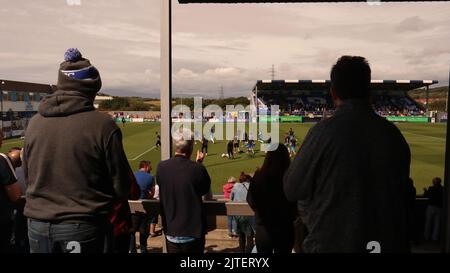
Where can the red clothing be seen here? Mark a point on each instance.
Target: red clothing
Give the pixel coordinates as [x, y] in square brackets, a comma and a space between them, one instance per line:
[121, 216]
[227, 189]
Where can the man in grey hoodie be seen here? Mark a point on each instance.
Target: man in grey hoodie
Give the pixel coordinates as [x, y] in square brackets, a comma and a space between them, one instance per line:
[74, 165]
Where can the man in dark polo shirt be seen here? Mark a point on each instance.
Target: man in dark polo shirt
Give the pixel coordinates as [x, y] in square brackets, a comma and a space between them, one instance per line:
[351, 174]
[182, 183]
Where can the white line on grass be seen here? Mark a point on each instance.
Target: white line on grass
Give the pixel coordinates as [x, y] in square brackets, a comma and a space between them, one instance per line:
[439, 138]
[143, 153]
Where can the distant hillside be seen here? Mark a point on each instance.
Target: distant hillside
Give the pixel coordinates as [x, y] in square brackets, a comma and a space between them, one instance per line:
[148, 104]
[435, 93]
[437, 100]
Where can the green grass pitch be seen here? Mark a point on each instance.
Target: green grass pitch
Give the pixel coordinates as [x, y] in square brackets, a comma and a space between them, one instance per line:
[427, 143]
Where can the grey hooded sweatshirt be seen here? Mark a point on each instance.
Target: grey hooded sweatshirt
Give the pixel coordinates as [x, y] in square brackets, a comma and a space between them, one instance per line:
[74, 161]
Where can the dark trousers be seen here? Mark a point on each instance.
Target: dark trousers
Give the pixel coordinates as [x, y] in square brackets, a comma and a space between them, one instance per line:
[21, 241]
[47, 237]
[204, 149]
[246, 243]
[5, 237]
[141, 223]
[197, 246]
[281, 241]
[230, 153]
[121, 243]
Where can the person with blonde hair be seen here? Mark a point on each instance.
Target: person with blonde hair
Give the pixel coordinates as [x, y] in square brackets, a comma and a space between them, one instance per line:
[227, 188]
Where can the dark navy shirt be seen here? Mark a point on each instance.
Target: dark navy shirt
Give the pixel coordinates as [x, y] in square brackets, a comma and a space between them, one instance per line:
[351, 179]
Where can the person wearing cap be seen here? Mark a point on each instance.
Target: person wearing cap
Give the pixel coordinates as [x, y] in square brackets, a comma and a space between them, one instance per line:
[74, 164]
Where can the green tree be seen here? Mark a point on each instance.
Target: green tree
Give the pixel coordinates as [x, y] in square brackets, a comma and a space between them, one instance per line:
[138, 105]
[117, 103]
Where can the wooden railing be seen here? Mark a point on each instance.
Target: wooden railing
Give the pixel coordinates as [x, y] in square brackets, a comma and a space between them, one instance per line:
[214, 207]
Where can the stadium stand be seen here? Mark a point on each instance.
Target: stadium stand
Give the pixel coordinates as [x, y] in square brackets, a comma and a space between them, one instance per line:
[312, 97]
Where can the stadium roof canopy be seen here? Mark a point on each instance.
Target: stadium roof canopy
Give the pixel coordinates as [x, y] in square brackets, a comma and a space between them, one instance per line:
[286, 85]
[286, 1]
[6, 85]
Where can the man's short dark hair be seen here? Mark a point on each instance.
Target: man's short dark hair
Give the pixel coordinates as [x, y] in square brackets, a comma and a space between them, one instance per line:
[437, 180]
[350, 78]
[144, 164]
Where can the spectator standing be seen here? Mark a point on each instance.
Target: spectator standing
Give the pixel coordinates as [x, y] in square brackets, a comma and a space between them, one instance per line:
[244, 224]
[10, 195]
[227, 188]
[274, 214]
[154, 217]
[351, 174]
[413, 227]
[121, 220]
[435, 194]
[20, 232]
[182, 183]
[74, 165]
[140, 220]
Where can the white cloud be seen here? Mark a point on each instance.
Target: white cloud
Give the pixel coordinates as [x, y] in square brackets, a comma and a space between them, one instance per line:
[185, 74]
[223, 72]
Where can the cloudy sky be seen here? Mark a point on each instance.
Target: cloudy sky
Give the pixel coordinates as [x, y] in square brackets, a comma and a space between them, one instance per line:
[222, 45]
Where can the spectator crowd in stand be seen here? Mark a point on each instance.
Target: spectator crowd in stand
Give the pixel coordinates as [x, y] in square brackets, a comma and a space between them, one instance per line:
[396, 103]
[77, 181]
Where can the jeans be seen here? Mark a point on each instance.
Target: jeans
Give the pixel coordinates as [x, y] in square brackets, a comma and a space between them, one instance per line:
[46, 237]
[231, 223]
[432, 223]
[246, 233]
[197, 247]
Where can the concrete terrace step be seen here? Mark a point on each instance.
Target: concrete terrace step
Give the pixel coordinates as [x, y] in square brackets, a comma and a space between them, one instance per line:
[216, 241]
